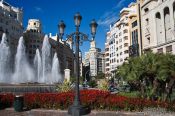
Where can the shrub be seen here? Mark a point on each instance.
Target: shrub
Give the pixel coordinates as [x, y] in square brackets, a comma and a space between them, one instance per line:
[92, 83]
[64, 87]
[103, 84]
[6, 100]
[96, 99]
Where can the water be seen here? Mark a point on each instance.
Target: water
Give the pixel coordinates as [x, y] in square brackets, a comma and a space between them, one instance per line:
[56, 76]
[5, 70]
[46, 60]
[23, 71]
[43, 70]
[38, 66]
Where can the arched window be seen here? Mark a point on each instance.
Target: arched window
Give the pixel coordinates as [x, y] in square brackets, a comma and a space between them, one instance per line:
[159, 28]
[167, 24]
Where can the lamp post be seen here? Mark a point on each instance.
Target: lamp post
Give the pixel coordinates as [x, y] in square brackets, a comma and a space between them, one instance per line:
[77, 109]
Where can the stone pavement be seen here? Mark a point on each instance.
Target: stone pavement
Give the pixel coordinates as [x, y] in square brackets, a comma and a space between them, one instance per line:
[42, 112]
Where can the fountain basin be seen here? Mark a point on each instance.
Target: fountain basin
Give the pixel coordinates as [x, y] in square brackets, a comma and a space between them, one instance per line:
[27, 87]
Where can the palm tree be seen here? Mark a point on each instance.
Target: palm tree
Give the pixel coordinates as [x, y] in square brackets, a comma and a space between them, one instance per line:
[149, 73]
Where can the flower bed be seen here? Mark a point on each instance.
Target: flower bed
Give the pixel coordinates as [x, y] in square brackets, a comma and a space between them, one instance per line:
[96, 99]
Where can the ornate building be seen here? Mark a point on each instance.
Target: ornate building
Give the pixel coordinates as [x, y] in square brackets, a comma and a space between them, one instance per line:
[94, 59]
[33, 38]
[158, 25]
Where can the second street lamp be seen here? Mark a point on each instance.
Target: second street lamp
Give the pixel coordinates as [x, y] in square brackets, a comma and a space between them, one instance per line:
[78, 37]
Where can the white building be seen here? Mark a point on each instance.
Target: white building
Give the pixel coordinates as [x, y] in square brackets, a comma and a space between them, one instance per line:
[118, 41]
[33, 38]
[94, 58]
[34, 25]
[158, 25]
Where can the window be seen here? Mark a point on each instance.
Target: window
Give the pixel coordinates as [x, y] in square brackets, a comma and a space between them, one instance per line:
[126, 51]
[169, 49]
[135, 37]
[125, 31]
[116, 36]
[34, 23]
[6, 31]
[34, 46]
[148, 40]
[120, 53]
[147, 21]
[146, 10]
[120, 47]
[160, 50]
[1, 29]
[125, 44]
[30, 52]
[120, 40]
[7, 23]
[117, 49]
[126, 38]
[134, 24]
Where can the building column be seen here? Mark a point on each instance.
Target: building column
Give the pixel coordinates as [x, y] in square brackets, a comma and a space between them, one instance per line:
[67, 75]
[163, 25]
[172, 20]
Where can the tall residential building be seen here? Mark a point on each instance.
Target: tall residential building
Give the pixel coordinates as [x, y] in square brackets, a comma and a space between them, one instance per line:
[158, 25]
[118, 40]
[11, 23]
[135, 48]
[33, 37]
[94, 59]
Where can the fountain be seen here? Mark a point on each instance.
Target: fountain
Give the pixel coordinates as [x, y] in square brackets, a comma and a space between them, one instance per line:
[4, 60]
[44, 71]
[38, 65]
[46, 60]
[23, 72]
[56, 77]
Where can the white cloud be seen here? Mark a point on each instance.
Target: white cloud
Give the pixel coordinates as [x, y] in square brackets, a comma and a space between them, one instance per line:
[121, 3]
[112, 15]
[39, 9]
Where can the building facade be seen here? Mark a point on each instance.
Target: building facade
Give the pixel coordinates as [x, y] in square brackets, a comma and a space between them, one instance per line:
[118, 40]
[94, 60]
[64, 52]
[135, 48]
[33, 37]
[158, 25]
[11, 23]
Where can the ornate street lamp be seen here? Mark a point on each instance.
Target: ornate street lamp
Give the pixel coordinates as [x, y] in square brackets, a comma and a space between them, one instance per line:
[93, 26]
[61, 26]
[78, 37]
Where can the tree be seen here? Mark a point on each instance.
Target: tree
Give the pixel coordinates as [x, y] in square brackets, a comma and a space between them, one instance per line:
[100, 75]
[152, 74]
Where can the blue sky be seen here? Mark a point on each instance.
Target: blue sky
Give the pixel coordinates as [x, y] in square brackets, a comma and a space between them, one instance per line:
[50, 12]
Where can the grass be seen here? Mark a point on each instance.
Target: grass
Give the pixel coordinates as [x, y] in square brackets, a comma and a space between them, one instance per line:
[130, 94]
